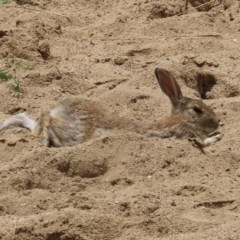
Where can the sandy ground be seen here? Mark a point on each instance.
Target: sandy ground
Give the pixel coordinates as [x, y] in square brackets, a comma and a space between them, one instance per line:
[127, 186]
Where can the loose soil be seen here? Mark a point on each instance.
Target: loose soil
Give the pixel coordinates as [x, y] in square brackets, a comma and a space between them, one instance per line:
[127, 186]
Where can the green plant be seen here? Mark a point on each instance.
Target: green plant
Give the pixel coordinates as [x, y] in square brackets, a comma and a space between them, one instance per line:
[30, 66]
[3, 1]
[16, 63]
[4, 76]
[15, 87]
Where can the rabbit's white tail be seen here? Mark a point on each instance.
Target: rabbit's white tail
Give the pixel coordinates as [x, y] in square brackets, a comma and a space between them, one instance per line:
[18, 120]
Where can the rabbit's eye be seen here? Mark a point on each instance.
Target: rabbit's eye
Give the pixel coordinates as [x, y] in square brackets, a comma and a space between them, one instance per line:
[197, 110]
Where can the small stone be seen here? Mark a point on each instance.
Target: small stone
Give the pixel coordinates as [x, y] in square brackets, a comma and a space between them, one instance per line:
[44, 50]
[11, 143]
[119, 60]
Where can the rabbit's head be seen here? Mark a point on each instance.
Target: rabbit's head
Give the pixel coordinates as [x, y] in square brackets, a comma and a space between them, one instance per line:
[195, 112]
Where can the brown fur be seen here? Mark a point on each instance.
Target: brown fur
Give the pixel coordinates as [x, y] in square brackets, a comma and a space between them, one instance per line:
[76, 119]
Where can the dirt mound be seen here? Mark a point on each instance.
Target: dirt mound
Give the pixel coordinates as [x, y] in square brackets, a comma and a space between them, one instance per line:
[127, 185]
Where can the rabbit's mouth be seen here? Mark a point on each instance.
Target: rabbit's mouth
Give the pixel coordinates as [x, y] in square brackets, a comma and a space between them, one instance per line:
[209, 125]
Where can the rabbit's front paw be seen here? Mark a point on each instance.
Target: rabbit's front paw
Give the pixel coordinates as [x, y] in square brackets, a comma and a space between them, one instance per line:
[213, 137]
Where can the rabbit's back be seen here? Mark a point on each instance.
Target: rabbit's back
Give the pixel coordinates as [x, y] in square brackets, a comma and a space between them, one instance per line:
[75, 120]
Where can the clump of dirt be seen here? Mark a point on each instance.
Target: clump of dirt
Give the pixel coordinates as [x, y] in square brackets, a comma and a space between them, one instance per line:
[159, 10]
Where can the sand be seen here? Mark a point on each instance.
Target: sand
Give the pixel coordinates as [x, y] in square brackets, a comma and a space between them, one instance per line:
[127, 186]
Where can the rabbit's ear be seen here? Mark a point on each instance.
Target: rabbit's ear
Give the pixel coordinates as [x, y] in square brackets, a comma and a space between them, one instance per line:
[168, 85]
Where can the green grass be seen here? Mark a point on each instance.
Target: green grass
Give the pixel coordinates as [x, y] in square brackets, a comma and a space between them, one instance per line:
[3, 2]
[19, 63]
[14, 84]
[4, 76]
[15, 87]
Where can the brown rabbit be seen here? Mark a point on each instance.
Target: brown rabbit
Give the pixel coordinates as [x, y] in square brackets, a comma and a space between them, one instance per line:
[190, 117]
[76, 119]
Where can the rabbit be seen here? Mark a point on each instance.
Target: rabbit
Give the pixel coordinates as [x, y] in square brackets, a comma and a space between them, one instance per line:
[190, 118]
[70, 121]
[77, 119]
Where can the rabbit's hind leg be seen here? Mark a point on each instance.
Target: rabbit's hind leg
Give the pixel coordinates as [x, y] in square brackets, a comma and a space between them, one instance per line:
[42, 128]
[45, 132]
[18, 120]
